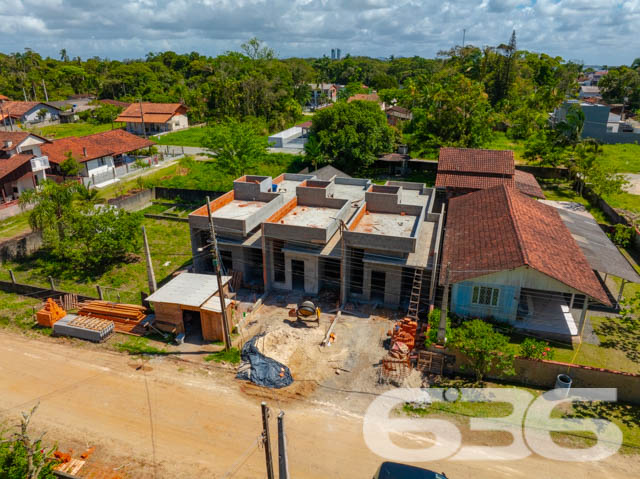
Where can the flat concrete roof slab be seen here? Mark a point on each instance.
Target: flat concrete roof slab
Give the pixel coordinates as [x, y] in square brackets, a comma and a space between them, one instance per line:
[188, 289]
[238, 209]
[413, 197]
[386, 224]
[310, 216]
[288, 188]
[349, 192]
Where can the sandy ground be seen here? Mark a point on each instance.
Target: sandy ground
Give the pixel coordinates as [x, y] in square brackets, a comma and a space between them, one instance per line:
[170, 418]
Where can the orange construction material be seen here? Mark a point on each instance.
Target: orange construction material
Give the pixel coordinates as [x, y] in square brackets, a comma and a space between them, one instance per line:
[51, 313]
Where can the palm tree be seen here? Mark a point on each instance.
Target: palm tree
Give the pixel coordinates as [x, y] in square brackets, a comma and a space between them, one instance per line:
[63, 55]
[313, 151]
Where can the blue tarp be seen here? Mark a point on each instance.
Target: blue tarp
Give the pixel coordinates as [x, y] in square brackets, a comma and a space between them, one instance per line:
[262, 370]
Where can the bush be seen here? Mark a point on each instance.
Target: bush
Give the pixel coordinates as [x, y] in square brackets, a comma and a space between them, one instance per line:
[431, 336]
[534, 349]
[621, 235]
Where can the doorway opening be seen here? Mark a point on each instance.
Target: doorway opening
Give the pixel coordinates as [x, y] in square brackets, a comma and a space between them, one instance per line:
[378, 280]
[297, 275]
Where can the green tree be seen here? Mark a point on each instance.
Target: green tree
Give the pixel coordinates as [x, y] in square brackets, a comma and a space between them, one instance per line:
[313, 151]
[485, 349]
[619, 84]
[52, 208]
[70, 166]
[452, 111]
[23, 457]
[238, 146]
[352, 135]
[42, 114]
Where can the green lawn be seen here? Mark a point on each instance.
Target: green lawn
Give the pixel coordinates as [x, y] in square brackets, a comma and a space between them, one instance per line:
[74, 129]
[17, 310]
[624, 201]
[170, 250]
[625, 416]
[622, 158]
[501, 142]
[15, 226]
[189, 137]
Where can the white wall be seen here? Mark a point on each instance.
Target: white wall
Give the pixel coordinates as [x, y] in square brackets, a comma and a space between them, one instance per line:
[178, 122]
[98, 166]
[32, 115]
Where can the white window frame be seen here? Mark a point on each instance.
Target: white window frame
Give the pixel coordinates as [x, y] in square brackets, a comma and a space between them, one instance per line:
[489, 293]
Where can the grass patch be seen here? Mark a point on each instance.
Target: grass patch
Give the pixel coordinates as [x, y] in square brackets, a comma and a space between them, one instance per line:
[170, 246]
[625, 416]
[619, 347]
[622, 158]
[555, 190]
[74, 129]
[17, 311]
[624, 201]
[232, 356]
[189, 137]
[500, 141]
[137, 345]
[14, 226]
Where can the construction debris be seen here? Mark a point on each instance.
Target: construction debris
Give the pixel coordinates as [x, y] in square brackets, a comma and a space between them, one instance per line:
[50, 313]
[330, 337]
[91, 329]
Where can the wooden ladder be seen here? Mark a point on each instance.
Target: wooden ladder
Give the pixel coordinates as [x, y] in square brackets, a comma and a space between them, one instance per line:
[416, 290]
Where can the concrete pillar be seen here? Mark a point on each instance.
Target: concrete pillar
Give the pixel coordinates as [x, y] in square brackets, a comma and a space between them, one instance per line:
[52, 284]
[99, 290]
[13, 278]
[573, 297]
[583, 315]
[620, 293]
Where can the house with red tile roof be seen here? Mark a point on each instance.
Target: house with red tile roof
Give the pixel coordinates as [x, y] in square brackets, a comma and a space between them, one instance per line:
[464, 170]
[513, 259]
[28, 112]
[153, 118]
[22, 163]
[100, 154]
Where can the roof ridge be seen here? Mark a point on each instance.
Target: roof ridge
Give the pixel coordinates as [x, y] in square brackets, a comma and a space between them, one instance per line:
[516, 228]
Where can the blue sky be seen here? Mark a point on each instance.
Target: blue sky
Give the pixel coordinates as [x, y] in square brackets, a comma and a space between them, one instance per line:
[595, 31]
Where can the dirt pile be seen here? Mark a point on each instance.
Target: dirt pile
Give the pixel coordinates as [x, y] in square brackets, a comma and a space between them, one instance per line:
[282, 343]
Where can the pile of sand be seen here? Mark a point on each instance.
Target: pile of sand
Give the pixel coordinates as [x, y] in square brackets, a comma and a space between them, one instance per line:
[282, 343]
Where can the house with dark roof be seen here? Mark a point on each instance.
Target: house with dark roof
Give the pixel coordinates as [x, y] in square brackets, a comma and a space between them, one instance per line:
[397, 114]
[28, 112]
[464, 170]
[100, 154]
[22, 163]
[153, 118]
[511, 258]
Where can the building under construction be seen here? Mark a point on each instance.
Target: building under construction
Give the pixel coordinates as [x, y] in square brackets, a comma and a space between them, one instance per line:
[371, 243]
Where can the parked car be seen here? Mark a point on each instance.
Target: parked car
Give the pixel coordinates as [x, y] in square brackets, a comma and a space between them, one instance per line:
[394, 470]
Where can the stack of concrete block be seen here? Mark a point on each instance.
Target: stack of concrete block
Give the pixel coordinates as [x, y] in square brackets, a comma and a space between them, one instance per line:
[83, 327]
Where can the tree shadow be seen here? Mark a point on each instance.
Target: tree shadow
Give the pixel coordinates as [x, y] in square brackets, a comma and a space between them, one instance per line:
[621, 336]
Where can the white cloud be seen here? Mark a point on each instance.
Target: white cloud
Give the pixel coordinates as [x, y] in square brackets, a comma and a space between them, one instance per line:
[574, 29]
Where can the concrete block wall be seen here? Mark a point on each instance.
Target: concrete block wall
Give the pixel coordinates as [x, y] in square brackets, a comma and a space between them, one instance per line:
[246, 188]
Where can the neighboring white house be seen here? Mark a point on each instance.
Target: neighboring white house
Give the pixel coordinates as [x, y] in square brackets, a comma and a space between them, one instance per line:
[589, 92]
[322, 94]
[22, 163]
[27, 112]
[100, 154]
[153, 118]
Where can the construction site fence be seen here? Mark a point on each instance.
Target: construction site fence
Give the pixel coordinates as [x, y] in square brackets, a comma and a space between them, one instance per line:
[37, 291]
[543, 374]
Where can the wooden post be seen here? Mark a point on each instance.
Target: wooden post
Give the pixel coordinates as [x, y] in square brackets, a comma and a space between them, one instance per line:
[99, 289]
[442, 327]
[283, 460]
[216, 267]
[13, 278]
[151, 277]
[52, 284]
[266, 440]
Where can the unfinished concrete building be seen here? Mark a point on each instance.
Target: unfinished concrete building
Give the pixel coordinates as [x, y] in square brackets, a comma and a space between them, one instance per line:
[366, 242]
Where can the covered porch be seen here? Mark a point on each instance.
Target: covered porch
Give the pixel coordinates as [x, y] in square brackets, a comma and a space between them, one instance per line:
[551, 315]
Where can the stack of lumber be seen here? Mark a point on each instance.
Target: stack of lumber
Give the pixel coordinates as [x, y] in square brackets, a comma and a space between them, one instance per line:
[50, 313]
[128, 318]
[83, 327]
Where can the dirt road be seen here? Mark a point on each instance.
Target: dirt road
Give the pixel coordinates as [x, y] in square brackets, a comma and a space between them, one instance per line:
[172, 419]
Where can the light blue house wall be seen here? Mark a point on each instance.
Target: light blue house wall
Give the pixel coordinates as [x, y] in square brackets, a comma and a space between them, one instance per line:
[461, 301]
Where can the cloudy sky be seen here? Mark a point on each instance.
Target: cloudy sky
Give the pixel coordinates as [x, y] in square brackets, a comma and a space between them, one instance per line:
[595, 31]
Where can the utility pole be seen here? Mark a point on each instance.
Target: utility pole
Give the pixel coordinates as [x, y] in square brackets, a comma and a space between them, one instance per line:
[144, 130]
[283, 460]
[44, 87]
[216, 268]
[24, 92]
[464, 34]
[442, 327]
[266, 440]
[150, 275]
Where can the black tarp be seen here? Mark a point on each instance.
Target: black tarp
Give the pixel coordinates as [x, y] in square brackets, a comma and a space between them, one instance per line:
[261, 370]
